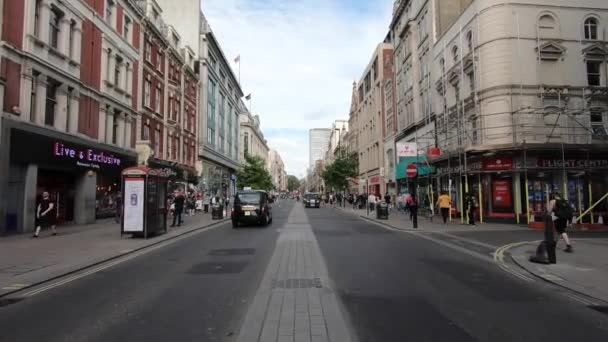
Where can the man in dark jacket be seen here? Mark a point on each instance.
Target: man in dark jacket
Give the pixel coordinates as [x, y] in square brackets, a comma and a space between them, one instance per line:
[178, 202]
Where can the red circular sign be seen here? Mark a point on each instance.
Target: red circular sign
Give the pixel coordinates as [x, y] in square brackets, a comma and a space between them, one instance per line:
[411, 170]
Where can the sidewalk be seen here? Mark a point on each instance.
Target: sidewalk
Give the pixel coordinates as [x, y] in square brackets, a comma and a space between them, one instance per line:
[584, 271]
[25, 262]
[399, 220]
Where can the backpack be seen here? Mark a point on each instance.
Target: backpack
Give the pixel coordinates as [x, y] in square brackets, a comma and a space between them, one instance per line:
[563, 209]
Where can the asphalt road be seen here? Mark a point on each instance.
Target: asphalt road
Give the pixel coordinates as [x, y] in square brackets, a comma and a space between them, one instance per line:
[393, 286]
[197, 289]
[399, 287]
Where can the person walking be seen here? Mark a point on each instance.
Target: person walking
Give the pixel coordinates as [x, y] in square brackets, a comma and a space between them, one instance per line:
[371, 201]
[562, 214]
[445, 204]
[387, 199]
[45, 215]
[413, 205]
[178, 203]
[471, 204]
[118, 207]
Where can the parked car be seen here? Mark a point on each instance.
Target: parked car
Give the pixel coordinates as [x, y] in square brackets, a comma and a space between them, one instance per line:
[251, 207]
[312, 200]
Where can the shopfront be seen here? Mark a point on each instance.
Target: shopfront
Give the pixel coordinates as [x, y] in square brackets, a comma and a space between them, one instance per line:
[81, 176]
[513, 187]
[217, 180]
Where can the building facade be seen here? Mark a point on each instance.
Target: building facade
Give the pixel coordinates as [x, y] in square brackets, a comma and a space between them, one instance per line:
[337, 141]
[220, 106]
[514, 96]
[276, 167]
[70, 112]
[169, 105]
[252, 141]
[367, 120]
[318, 141]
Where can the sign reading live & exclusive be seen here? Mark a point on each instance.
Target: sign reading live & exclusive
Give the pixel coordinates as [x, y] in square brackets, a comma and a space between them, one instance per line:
[32, 148]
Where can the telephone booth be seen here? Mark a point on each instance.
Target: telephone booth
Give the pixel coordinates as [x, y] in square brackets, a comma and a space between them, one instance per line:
[144, 201]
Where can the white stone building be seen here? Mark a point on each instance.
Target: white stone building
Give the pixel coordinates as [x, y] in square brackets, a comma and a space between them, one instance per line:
[252, 141]
[513, 94]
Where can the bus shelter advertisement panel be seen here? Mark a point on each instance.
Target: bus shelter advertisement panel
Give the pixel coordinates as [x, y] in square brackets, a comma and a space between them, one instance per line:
[134, 205]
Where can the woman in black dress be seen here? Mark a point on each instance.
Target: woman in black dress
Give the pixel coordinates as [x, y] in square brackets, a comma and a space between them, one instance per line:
[45, 214]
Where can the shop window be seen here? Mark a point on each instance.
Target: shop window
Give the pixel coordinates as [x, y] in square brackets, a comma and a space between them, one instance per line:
[593, 73]
[51, 102]
[591, 25]
[54, 27]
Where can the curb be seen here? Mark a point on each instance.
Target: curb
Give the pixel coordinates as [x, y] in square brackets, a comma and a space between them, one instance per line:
[561, 285]
[387, 225]
[97, 263]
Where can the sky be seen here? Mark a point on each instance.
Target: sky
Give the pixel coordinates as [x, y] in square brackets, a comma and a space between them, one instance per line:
[299, 59]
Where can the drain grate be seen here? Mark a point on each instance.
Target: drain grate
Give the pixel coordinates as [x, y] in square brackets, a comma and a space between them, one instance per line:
[600, 308]
[218, 268]
[8, 301]
[297, 283]
[232, 251]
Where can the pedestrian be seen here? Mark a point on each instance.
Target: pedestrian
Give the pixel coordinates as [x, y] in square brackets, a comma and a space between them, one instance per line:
[45, 214]
[414, 211]
[387, 199]
[118, 207]
[178, 203]
[191, 204]
[471, 204]
[445, 205]
[371, 199]
[562, 213]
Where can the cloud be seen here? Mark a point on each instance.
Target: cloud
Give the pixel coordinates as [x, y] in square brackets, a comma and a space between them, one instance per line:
[298, 59]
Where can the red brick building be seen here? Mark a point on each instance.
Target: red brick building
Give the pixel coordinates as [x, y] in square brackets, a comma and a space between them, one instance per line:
[84, 84]
[169, 100]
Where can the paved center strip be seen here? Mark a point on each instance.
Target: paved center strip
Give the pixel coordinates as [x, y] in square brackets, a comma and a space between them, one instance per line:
[295, 301]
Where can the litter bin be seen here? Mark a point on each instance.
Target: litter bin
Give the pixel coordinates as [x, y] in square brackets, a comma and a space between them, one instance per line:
[217, 212]
[382, 211]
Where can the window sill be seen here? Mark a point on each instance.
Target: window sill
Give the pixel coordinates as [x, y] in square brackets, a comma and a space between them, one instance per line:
[108, 84]
[37, 41]
[74, 63]
[120, 91]
[58, 53]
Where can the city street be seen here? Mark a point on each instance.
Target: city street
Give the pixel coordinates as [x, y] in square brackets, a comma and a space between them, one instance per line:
[347, 279]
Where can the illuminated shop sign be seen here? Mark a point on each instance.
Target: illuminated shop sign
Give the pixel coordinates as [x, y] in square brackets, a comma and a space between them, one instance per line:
[41, 149]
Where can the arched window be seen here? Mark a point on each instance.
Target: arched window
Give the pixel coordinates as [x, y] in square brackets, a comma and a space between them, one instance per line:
[591, 25]
[442, 65]
[470, 40]
[455, 55]
[546, 26]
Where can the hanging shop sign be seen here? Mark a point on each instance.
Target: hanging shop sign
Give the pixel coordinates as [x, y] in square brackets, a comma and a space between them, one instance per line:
[28, 147]
[497, 164]
[407, 149]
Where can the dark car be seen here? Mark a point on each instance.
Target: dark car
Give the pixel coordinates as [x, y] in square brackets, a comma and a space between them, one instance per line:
[312, 200]
[251, 207]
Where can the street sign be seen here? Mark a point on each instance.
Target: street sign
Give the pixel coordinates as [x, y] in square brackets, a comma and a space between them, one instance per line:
[411, 170]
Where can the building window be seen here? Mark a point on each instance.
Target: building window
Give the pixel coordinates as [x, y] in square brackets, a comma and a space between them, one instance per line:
[160, 62]
[51, 102]
[146, 131]
[35, 76]
[127, 29]
[591, 29]
[455, 54]
[472, 81]
[110, 12]
[72, 41]
[157, 99]
[211, 112]
[54, 27]
[246, 143]
[148, 51]
[37, 18]
[157, 141]
[117, 67]
[470, 41]
[593, 73]
[116, 117]
[597, 124]
[147, 90]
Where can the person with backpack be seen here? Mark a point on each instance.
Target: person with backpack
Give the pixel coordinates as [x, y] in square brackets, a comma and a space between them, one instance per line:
[471, 204]
[562, 214]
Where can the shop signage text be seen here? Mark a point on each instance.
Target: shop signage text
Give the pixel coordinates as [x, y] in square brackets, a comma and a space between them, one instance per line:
[572, 163]
[497, 164]
[374, 180]
[87, 157]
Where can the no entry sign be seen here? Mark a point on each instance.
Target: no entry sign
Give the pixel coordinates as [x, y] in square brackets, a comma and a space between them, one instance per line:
[411, 170]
